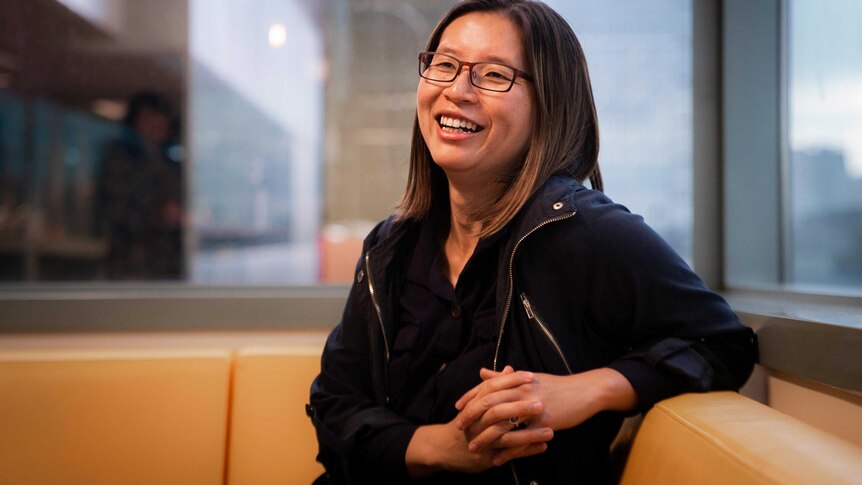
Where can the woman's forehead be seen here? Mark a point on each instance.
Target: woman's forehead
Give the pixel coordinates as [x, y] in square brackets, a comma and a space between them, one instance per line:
[482, 36]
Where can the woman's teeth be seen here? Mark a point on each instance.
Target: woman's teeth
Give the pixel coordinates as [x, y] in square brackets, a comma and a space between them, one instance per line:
[454, 125]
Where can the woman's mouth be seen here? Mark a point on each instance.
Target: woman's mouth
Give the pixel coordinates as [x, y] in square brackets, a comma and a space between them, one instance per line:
[456, 125]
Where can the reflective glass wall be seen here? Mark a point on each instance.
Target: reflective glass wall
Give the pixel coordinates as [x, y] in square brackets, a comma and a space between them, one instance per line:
[257, 141]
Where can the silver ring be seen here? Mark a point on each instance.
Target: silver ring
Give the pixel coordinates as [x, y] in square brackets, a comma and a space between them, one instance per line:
[514, 420]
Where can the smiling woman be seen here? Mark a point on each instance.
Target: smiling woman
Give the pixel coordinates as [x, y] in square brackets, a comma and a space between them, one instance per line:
[504, 119]
[506, 314]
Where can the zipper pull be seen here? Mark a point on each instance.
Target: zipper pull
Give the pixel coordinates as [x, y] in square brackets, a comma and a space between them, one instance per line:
[527, 306]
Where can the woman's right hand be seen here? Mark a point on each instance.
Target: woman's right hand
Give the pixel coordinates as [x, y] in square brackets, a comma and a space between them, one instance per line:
[444, 447]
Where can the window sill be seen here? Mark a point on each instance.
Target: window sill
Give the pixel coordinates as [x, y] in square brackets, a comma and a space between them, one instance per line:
[795, 331]
[172, 306]
[809, 336]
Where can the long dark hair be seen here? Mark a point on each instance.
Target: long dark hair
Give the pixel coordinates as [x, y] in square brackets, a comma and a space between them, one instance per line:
[565, 138]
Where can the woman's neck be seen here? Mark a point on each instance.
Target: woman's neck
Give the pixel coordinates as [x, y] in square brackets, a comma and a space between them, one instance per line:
[463, 229]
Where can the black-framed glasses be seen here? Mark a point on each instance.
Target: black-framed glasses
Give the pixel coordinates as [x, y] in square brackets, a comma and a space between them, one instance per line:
[490, 76]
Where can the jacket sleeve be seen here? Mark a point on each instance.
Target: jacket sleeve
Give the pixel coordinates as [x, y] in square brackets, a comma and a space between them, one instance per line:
[358, 435]
[679, 336]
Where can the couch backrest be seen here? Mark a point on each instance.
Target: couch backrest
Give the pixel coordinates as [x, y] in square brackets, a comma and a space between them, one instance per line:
[213, 417]
[272, 440]
[113, 417]
[724, 438]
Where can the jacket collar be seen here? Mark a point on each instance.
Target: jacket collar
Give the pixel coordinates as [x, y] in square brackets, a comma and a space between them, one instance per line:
[386, 253]
[555, 197]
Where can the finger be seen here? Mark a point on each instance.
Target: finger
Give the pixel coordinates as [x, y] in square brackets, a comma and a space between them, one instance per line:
[488, 436]
[511, 453]
[514, 379]
[487, 431]
[477, 407]
[506, 381]
[486, 374]
[467, 397]
[495, 422]
[523, 437]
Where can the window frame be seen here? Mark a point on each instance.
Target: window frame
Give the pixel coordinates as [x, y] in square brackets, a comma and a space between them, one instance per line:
[739, 115]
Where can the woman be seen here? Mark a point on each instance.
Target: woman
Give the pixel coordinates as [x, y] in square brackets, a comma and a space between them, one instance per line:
[504, 321]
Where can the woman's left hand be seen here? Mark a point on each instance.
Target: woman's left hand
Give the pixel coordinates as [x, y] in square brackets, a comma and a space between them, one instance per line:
[565, 402]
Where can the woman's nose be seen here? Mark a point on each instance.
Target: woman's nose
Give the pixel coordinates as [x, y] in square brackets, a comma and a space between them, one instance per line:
[461, 88]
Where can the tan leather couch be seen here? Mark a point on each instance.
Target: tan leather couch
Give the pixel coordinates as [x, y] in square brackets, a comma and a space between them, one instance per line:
[724, 438]
[238, 417]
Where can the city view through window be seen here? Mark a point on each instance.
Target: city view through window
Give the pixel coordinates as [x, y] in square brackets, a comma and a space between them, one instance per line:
[825, 134]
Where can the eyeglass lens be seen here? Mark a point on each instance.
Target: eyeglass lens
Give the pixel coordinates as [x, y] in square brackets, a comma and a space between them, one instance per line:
[485, 75]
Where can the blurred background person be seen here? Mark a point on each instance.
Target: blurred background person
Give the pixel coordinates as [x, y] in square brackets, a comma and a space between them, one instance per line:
[139, 195]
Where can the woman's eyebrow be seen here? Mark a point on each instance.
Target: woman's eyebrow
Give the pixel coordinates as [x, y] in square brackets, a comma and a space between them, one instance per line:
[455, 53]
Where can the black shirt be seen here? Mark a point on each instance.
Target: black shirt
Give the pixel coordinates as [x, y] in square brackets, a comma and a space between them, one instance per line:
[445, 336]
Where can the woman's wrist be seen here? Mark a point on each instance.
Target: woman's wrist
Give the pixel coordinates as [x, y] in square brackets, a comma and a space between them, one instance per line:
[589, 393]
[421, 457]
[615, 391]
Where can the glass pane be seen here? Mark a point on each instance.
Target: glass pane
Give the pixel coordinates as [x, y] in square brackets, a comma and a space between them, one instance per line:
[257, 141]
[639, 55]
[255, 131]
[825, 125]
[91, 159]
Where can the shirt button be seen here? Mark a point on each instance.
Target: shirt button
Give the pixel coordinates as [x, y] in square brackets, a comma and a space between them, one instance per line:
[456, 310]
[534, 482]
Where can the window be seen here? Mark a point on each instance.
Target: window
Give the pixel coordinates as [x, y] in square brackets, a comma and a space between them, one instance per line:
[825, 142]
[249, 142]
[791, 118]
[640, 59]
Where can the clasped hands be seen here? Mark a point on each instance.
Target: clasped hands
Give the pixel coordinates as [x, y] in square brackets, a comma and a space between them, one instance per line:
[483, 435]
[486, 413]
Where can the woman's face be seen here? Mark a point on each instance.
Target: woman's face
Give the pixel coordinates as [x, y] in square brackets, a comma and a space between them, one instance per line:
[503, 120]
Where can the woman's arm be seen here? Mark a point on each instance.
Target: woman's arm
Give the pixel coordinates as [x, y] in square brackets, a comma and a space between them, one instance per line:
[633, 290]
[359, 436]
[565, 402]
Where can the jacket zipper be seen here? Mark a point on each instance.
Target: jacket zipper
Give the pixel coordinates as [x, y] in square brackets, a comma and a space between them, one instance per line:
[511, 286]
[376, 305]
[531, 314]
[514, 473]
[509, 304]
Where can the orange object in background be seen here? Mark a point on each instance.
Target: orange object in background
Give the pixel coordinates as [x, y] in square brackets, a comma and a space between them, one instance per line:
[340, 248]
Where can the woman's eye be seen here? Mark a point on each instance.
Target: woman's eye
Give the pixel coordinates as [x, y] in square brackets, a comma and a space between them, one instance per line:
[445, 65]
[496, 76]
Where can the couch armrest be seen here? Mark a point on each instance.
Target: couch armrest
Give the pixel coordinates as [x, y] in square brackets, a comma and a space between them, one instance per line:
[725, 438]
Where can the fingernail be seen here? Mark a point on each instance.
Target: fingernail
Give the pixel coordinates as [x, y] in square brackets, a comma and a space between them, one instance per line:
[459, 425]
[472, 447]
[528, 375]
[497, 461]
[535, 406]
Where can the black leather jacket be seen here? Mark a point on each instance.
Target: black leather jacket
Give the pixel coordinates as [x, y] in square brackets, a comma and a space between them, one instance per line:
[585, 284]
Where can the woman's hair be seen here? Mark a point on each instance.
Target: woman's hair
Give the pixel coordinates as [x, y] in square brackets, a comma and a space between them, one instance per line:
[565, 137]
